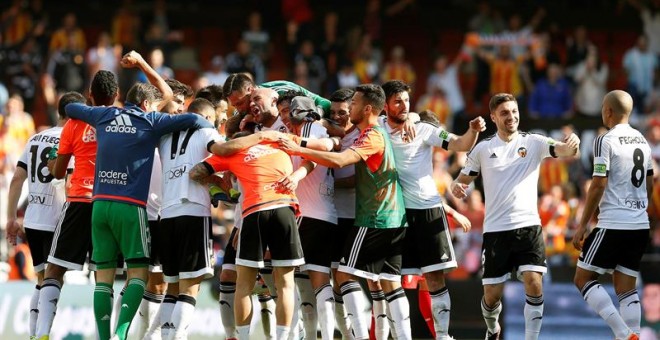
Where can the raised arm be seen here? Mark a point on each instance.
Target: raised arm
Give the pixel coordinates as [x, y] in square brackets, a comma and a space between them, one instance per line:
[133, 59]
[237, 144]
[466, 141]
[329, 159]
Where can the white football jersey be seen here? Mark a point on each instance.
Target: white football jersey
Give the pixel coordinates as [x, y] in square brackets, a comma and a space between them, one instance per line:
[315, 192]
[46, 194]
[510, 173]
[155, 190]
[345, 197]
[179, 152]
[623, 155]
[278, 125]
[414, 163]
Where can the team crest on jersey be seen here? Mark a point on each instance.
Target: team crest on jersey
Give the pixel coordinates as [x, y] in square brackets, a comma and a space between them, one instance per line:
[522, 151]
[283, 129]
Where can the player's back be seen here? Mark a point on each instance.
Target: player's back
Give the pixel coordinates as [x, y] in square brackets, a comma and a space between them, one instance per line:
[179, 152]
[624, 156]
[46, 195]
[79, 139]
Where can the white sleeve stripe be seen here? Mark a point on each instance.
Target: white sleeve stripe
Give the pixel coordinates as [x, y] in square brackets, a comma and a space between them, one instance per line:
[598, 144]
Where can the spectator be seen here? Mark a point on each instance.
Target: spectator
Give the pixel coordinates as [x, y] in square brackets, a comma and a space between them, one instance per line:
[67, 67]
[435, 101]
[368, 61]
[301, 74]
[244, 61]
[316, 72]
[332, 46]
[543, 56]
[257, 37]
[125, 25]
[651, 316]
[551, 97]
[445, 78]
[157, 62]
[554, 212]
[104, 56]
[347, 78]
[217, 74]
[487, 20]
[20, 125]
[504, 71]
[22, 70]
[69, 36]
[578, 47]
[20, 264]
[17, 23]
[522, 33]
[640, 65]
[650, 15]
[398, 68]
[590, 81]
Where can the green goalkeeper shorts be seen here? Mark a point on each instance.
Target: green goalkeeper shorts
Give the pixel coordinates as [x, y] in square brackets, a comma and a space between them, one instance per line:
[119, 228]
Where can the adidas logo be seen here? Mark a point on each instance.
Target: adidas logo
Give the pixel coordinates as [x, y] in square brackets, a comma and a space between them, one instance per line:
[105, 317]
[444, 257]
[124, 306]
[121, 124]
[493, 155]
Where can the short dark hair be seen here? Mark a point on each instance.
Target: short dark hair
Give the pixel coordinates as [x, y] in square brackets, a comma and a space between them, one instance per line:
[288, 96]
[393, 87]
[212, 93]
[373, 95]
[429, 116]
[104, 87]
[179, 88]
[66, 99]
[200, 104]
[342, 95]
[498, 99]
[141, 92]
[235, 82]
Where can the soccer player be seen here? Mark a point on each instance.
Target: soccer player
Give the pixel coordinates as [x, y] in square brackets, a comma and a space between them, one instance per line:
[317, 223]
[126, 141]
[186, 215]
[268, 214]
[159, 298]
[509, 163]
[374, 245]
[340, 102]
[621, 190]
[45, 199]
[77, 140]
[428, 248]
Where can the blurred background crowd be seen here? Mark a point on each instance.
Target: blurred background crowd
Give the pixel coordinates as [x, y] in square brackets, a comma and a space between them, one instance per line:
[558, 58]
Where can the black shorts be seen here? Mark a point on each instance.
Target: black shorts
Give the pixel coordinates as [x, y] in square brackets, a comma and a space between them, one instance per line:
[607, 250]
[519, 249]
[428, 246]
[339, 239]
[155, 247]
[275, 229]
[229, 258]
[187, 248]
[373, 253]
[72, 240]
[39, 242]
[314, 236]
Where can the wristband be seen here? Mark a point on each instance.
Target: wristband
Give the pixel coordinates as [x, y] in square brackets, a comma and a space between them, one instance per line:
[303, 143]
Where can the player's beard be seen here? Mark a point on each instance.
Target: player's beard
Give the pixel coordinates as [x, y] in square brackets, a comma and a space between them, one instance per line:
[396, 119]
